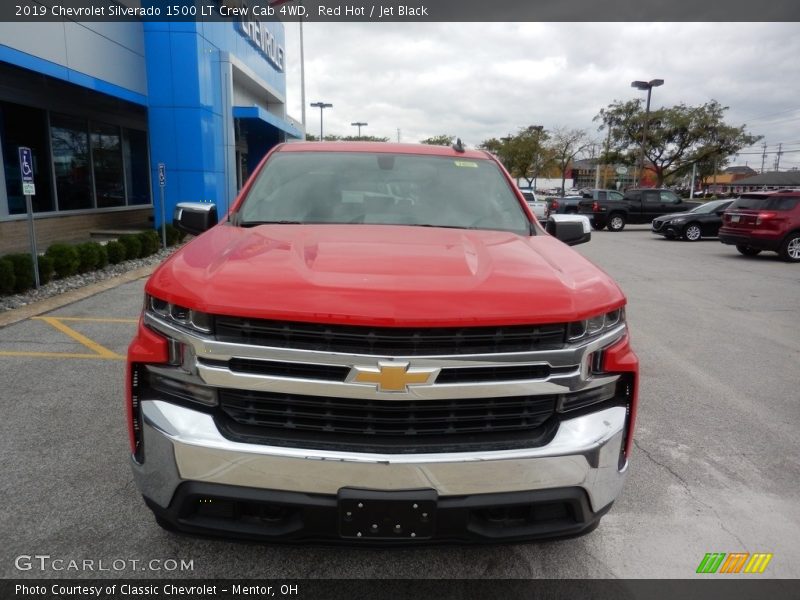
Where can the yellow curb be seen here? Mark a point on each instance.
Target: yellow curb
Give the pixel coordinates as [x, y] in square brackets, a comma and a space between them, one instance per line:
[42, 306]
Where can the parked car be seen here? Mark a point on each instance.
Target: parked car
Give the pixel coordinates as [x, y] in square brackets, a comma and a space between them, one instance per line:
[539, 207]
[568, 205]
[702, 221]
[636, 206]
[764, 221]
[329, 364]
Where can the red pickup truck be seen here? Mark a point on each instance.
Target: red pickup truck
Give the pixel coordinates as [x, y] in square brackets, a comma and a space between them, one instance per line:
[380, 344]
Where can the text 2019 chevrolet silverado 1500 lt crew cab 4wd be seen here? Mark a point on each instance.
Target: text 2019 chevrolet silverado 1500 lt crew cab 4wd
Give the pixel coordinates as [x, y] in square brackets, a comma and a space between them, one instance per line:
[380, 344]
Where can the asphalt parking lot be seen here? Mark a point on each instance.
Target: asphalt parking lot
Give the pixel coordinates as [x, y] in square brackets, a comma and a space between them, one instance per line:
[716, 466]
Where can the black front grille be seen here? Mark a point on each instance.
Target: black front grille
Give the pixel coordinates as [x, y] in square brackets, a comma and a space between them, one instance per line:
[487, 374]
[390, 341]
[288, 369]
[390, 418]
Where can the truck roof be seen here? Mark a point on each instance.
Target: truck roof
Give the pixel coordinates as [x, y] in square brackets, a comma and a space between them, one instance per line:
[382, 147]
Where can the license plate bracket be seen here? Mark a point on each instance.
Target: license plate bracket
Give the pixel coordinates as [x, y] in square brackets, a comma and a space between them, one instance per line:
[387, 515]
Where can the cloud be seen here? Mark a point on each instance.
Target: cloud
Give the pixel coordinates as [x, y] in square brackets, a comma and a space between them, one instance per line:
[481, 80]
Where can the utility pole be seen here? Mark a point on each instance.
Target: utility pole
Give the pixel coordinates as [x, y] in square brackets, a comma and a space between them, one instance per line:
[398, 135]
[778, 157]
[763, 157]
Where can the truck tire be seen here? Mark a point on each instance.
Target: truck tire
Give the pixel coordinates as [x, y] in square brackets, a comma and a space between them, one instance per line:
[790, 248]
[747, 250]
[616, 222]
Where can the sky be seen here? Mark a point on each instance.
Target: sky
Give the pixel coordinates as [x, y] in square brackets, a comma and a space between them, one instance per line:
[482, 80]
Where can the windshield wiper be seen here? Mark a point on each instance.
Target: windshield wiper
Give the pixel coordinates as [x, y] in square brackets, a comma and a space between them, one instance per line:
[256, 223]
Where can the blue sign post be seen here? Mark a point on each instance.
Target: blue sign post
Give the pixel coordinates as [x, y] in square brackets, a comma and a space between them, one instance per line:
[28, 190]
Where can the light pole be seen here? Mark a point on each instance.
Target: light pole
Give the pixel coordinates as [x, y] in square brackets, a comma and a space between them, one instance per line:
[645, 85]
[322, 106]
[359, 125]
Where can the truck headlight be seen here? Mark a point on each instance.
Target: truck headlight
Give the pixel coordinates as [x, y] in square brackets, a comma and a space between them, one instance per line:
[595, 326]
[178, 315]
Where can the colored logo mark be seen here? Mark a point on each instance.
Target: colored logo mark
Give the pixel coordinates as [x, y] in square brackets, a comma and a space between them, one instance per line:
[734, 562]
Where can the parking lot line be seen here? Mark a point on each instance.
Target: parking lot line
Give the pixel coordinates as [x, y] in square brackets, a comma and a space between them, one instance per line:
[92, 319]
[101, 351]
[60, 355]
[98, 351]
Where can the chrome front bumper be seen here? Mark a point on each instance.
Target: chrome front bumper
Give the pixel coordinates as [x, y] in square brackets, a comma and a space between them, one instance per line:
[183, 445]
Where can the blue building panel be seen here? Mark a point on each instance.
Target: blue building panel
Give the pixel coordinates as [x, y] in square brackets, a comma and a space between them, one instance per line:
[159, 46]
[191, 117]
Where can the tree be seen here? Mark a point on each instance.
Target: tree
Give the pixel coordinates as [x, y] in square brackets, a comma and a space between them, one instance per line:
[677, 137]
[332, 137]
[329, 137]
[565, 145]
[439, 140]
[364, 138]
[523, 155]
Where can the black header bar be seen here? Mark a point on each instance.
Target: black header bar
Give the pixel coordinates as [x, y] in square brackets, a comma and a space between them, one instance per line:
[420, 11]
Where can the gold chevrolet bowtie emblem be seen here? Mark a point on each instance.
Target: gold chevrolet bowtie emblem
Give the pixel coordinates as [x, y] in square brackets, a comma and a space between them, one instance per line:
[392, 376]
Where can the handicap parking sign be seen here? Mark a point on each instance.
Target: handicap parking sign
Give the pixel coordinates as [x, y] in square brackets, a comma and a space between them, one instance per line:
[26, 170]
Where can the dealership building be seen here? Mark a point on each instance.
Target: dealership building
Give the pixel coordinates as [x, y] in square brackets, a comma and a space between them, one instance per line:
[102, 104]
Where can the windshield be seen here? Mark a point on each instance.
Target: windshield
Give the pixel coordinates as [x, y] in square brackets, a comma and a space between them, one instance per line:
[712, 206]
[382, 189]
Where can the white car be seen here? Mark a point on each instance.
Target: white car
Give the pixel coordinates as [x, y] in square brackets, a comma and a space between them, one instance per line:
[539, 207]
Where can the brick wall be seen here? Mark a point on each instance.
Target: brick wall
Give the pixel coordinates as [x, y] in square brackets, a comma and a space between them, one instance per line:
[76, 228]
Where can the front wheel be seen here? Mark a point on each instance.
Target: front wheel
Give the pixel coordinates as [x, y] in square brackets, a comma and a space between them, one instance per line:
[790, 248]
[616, 222]
[747, 250]
[692, 232]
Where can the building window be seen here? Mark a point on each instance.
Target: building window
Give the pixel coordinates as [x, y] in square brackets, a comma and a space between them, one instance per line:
[25, 126]
[109, 184]
[137, 166]
[70, 143]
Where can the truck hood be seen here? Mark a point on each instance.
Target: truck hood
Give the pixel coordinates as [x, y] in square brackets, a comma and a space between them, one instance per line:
[384, 275]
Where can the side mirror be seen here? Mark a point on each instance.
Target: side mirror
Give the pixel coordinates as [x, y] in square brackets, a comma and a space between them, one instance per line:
[195, 217]
[570, 229]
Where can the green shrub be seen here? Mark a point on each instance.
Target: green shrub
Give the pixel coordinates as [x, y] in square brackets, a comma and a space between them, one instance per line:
[46, 268]
[7, 278]
[115, 251]
[174, 235]
[23, 271]
[150, 242]
[133, 246]
[102, 256]
[65, 259]
[89, 255]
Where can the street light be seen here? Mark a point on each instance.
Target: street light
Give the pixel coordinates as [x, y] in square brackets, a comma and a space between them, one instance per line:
[359, 125]
[645, 85]
[322, 106]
